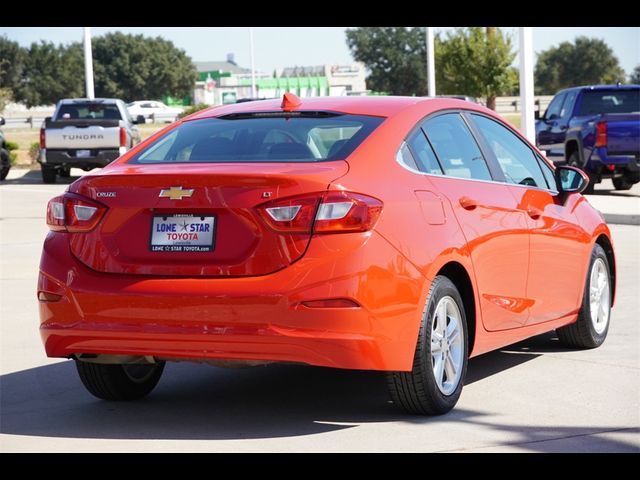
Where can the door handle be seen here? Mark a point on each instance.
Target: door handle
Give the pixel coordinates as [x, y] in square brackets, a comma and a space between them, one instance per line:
[468, 203]
[534, 212]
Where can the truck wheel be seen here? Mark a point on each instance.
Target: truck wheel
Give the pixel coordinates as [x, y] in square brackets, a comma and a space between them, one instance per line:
[48, 174]
[622, 183]
[119, 382]
[434, 384]
[592, 325]
[574, 161]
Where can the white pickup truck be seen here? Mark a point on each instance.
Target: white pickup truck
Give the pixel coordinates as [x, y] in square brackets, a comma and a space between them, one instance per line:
[85, 134]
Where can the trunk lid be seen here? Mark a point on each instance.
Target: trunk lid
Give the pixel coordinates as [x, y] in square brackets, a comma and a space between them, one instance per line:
[243, 244]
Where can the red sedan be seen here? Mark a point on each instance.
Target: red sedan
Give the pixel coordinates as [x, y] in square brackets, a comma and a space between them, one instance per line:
[399, 234]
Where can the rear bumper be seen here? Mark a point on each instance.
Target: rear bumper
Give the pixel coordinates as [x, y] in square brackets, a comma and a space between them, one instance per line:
[98, 158]
[599, 159]
[252, 318]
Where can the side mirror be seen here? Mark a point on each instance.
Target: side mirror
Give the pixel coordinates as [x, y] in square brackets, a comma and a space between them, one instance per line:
[571, 179]
[140, 119]
[2, 122]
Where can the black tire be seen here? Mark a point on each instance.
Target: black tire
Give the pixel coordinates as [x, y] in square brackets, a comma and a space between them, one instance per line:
[574, 161]
[65, 172]
[582, 333]
[48, 174]
[622, 183]
[119, 382]
[417, 391]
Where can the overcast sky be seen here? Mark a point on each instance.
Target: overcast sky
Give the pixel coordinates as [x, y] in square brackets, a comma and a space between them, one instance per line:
[278, 47]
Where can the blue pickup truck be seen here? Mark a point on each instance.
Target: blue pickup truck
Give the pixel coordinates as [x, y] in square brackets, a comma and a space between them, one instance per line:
[596, 129]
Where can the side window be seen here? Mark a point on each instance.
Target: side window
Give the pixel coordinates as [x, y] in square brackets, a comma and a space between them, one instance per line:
[548, 174]
[567, 106]
[425, 157]
[455, 147]
[553, 110]
[516, 159]
[405, 157]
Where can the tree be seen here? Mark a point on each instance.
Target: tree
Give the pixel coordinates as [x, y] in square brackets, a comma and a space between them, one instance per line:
[476, 62]
[588, 61]
[133, 67]
[635, 75]
[395, 56]
[50, 73]
[12, 58]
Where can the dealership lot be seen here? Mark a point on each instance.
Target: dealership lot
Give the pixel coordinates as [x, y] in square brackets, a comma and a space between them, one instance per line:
[533, 396]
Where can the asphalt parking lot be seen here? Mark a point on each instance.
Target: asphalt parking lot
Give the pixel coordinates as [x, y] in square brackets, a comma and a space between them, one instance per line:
[530, 397]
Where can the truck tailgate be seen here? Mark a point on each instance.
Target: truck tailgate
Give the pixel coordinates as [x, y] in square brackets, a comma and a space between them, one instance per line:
[623, 134]
[82, 135]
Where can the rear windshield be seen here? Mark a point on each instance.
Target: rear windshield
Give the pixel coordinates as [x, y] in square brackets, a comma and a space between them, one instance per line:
[261, 138]
[610, 101]
[88, 111]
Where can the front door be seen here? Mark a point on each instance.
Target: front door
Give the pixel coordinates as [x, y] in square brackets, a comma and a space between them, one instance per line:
[557, 243]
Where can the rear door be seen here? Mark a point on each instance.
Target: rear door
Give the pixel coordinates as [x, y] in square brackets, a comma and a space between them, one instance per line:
[557, 253]
[494, 227]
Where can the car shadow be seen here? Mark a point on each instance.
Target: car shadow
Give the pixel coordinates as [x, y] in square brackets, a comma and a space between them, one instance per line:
[612, 192]
[34, 177]
[207, 403]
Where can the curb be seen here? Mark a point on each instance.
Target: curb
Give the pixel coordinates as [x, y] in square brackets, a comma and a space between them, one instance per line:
[621, 219]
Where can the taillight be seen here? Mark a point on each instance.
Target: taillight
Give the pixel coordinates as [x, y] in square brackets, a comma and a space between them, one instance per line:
[123, 137]
[73, 213]
[43, 139]
[325, 212]
[601, 134]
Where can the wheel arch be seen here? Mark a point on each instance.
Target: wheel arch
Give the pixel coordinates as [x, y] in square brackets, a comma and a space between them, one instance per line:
[604, 241]
[571, 146]
[458, 274]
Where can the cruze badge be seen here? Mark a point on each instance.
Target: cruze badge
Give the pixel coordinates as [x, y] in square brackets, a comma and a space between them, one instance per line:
[176, 193]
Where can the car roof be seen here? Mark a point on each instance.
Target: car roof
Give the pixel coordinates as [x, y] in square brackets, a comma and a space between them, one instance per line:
[603, 87]
[383, 106]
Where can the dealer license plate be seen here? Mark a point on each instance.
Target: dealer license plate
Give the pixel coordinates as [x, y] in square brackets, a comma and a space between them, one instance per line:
[182, 233]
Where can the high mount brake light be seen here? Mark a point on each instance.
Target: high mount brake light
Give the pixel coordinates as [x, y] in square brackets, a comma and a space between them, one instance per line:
[322, 212]
[73, 213]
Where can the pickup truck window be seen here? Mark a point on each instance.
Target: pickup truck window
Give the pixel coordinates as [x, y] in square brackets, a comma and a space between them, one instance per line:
[567, 106]
[610, 101]
[553, 110]
[88, 111]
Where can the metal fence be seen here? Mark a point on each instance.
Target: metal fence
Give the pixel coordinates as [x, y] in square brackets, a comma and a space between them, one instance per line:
[36, 120]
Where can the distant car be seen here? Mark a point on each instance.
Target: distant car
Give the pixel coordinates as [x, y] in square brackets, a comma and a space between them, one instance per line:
[5, 164]
[152, 109]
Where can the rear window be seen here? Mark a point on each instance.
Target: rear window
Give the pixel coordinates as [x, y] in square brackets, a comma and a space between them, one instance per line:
[88, 111]
[303, 137]
[610, 101]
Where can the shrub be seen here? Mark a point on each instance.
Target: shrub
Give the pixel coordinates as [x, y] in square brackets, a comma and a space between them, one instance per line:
[34, 151]
[13, 155]
[193, 109]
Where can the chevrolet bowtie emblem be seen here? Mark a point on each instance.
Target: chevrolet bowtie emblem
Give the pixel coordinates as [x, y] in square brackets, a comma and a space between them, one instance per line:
[176, 193]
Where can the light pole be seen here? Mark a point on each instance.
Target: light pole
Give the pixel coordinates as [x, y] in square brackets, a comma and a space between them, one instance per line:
[88, 64]
[253, 68]
[527, 119]
[431, 64]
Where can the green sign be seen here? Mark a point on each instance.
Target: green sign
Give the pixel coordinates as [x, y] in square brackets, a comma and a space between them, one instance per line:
[229, 97]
